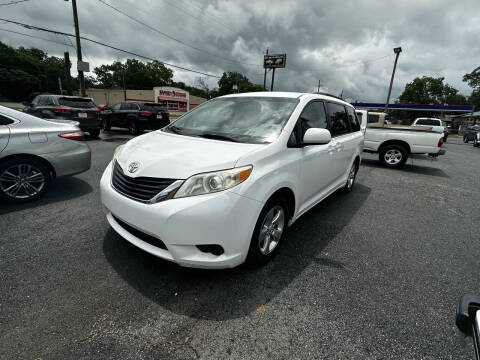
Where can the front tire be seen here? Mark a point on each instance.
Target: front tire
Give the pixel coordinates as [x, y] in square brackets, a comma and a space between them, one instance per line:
[94, 133]
[106, 126]
[393, 156]
[269, 232]
[133, 128]
[23, 179]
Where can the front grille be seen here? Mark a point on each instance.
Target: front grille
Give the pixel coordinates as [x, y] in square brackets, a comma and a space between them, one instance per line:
[140, 188]
[149, 239]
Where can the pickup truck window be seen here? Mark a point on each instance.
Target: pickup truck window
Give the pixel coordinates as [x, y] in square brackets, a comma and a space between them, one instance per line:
[338, 119]
[429, 122]
[373, 118]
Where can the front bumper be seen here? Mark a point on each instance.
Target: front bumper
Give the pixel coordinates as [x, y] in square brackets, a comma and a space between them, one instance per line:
[224, 218]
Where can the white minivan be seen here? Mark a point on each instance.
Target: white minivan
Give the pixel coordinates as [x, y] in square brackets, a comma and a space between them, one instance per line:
[220, 185]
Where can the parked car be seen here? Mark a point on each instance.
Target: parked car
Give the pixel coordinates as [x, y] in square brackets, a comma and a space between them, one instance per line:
[33, 152]
[435, 124]
[136, 116]
[476, 139]
[468, 319]
[470, 132]
[395, 143]
[220, 185]
[61, 107]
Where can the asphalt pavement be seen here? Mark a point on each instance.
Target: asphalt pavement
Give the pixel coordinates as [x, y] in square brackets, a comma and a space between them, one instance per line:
[374, 274]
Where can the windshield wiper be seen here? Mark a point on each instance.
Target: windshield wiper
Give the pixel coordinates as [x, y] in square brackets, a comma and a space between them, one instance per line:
[175, 130]
[216, 136]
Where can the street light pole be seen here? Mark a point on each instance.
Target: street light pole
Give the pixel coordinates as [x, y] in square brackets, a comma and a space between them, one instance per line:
[265, 76]
[397, 52]
[81, 77]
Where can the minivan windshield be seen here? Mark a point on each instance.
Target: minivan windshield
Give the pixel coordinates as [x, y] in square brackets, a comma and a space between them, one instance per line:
[238, 119]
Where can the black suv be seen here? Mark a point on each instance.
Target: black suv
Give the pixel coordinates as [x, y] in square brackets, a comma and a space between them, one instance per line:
[136, 116]
[63, 107]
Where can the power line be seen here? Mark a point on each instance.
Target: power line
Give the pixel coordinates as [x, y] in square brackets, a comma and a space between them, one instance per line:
[106, 45]
[35, 37]
[206, 13]
[173, 38]
[13, 2]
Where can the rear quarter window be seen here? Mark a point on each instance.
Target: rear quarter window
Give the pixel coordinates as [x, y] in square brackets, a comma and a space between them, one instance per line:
[153, 107]
[5, 120]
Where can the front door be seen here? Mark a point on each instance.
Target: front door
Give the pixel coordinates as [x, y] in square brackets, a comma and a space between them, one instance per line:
[316, 177]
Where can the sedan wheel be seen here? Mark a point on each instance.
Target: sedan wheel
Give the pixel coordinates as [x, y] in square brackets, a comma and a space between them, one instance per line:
[23, 180]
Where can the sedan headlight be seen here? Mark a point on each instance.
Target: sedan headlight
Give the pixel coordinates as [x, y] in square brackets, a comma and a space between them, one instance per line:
[213, 181]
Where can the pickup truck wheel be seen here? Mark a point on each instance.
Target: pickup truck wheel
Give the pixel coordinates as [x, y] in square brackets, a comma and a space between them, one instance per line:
[393, 156]
[269, 232]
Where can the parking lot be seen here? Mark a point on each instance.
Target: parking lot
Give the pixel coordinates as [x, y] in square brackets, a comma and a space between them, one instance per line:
[376, 273]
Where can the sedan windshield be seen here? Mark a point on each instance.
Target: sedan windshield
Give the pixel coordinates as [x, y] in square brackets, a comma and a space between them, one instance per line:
[239, 119]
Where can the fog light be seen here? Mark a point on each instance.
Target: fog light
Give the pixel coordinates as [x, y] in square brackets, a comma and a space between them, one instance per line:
[211, 249]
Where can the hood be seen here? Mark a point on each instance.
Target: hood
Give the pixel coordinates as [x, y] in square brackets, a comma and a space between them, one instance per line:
[172, 156]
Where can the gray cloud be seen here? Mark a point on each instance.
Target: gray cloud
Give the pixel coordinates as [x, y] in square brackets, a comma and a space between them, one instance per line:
[348, 44]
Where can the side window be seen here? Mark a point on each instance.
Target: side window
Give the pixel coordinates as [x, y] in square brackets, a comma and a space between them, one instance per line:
[5, 121]
[313, 116]
[48, 101]
[338, 119]
[41, 101]
[35, 101]
[371, 118]
[352, 117]
[134, 106]
[116, 106]
[124, 106]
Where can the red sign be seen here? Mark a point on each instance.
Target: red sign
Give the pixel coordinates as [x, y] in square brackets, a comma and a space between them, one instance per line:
[172, 94]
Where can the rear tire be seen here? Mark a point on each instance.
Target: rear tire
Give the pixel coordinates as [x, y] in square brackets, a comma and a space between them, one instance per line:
[133, 128]
[352, 175]
[23, 179]
[94, 133]
[393, 156]
[269, 232]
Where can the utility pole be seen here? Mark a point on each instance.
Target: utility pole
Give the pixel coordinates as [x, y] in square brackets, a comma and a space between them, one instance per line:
[81, 78]
[60, 85]
[124, 85]
[67, 65]
[318, 89]
[265, 76]
[273, 78]
[397, 52]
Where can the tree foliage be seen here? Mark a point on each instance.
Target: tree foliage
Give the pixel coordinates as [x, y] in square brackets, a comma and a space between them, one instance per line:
[430, 90]
[228, 79]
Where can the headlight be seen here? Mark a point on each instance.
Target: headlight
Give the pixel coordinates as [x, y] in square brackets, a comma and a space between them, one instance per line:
[213, 181]
[116, 151]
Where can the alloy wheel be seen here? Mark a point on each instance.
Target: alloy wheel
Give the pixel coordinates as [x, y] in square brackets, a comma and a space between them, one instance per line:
[393, 156]
[271, 230]
[22, 181]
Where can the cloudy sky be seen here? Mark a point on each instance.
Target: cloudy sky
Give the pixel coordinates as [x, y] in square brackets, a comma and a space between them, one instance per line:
[346, 44]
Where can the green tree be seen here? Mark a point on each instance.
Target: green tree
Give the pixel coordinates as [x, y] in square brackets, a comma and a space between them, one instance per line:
[229, 79]
[473, 80]
[429, 90]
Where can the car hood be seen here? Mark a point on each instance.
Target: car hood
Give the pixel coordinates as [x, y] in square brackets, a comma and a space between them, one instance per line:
[171, 156]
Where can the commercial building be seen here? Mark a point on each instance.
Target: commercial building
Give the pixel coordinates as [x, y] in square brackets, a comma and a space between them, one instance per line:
[174, 99]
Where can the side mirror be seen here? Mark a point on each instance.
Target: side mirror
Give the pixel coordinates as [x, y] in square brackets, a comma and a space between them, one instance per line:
[316, 136]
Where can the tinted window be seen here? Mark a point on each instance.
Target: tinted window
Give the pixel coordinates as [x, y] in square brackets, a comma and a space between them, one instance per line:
[41, 100]
[125, 106]
[352, 117]
[116, 106]
[338, 119]
[313, 116]
[5, 121]
[153, 107]
[79, 103]
[373, 118]
[48, 101]
[36, 100]
[429, 122]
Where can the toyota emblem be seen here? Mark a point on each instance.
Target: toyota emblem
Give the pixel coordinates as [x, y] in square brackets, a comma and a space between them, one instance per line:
[133, 167]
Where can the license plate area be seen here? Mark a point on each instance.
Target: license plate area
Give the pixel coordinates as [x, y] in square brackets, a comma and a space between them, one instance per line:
[159, 116]
[82, 115]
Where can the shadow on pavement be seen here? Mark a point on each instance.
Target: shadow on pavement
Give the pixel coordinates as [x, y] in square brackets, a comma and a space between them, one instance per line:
[413, 169]
[65, 188]
[227, 294]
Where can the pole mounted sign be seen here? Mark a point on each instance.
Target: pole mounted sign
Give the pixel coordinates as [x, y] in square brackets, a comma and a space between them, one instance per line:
[83, 66]
[274, 61]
